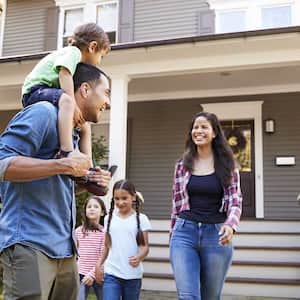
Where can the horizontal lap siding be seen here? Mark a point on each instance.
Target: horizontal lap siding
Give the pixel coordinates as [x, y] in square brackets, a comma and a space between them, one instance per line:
[156, 136]
[161, 19]
[282, 184]
[25, 26]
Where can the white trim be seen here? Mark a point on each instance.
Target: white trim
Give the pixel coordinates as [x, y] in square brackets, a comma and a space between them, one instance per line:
[246, 110]
[61, 21]
[2, 26]
[89, 13]
[253, 10]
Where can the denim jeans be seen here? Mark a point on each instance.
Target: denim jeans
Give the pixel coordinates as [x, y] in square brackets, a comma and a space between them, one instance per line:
[199, 263]
[42, 93]
[84, 290]
[115, 288]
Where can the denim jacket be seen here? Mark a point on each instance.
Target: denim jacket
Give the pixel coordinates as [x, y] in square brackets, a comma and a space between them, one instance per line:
[40, 213]
[231, 202]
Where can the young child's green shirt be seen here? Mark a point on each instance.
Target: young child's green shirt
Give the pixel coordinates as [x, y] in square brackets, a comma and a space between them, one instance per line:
[47, 70]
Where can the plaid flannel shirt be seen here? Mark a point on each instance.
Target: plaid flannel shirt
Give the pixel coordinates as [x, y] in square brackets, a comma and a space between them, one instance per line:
[231, 202]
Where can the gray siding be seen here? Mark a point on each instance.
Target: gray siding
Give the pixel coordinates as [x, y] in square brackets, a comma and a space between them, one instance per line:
[161, 19]
[282, 184]
[157, 133]
[156, 141]
[25, 26]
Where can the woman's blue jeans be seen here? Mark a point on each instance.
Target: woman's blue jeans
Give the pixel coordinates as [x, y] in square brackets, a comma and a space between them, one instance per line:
[199, 263]
[116, 288]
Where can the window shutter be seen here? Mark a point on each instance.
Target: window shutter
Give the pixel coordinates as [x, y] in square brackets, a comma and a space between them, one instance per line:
[126, 21]
[51, 30]
[206, 21]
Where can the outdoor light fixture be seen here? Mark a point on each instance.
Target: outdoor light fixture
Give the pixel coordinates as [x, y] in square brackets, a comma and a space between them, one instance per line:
[269, 126]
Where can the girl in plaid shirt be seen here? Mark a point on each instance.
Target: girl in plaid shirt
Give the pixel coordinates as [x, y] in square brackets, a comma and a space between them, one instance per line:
[206, 209]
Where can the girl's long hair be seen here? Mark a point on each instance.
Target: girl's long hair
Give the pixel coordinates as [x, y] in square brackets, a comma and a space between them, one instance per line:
[86, 224]
[224, 163]
[130, 188]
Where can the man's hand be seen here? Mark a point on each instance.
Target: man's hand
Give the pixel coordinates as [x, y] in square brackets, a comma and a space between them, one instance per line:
[87, 280]
[99, 176]
[77, 164]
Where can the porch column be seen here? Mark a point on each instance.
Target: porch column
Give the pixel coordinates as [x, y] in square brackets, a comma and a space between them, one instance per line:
[118, 125]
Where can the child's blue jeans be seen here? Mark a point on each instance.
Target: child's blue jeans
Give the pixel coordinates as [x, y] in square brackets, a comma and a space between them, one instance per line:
[84, 290]
[199, 263]
[115, 288]
[42, 93]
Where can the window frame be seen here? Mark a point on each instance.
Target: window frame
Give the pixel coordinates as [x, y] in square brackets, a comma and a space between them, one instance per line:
[253, 10]
[105, 2]
[2, 26]
[89, 14]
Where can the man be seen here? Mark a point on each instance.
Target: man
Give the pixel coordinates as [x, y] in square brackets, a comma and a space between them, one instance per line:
[38, 214]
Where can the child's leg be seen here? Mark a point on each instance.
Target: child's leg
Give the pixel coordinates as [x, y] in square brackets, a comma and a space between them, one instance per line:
[86, 140]
[66, 109]
[132, 289]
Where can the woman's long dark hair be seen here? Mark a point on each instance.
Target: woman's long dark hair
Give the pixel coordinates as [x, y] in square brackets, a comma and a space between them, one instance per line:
[223, 157]
[130, 188]
[86, 224]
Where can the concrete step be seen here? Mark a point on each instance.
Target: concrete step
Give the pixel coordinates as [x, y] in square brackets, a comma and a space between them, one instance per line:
[248, 253]
[246, 225]
[291, 239]
[243, 269]
[235, 287]
[159, 295]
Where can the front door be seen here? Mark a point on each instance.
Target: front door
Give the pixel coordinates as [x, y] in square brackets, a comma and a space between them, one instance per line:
[240, 136]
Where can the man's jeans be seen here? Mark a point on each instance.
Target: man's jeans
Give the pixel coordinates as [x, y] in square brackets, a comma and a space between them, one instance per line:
[199, 263]
[84, 289]
[114, 288]
[31, 275]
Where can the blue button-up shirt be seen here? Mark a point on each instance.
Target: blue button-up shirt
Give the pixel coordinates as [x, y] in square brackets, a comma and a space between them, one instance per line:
[41, 213]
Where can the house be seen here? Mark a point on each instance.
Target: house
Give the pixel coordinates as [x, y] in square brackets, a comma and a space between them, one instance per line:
[239, 59]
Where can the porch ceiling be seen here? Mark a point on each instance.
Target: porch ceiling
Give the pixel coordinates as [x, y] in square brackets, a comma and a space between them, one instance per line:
[215, 84]
[233, 66]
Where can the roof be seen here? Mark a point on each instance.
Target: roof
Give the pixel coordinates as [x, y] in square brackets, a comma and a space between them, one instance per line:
[182, 40]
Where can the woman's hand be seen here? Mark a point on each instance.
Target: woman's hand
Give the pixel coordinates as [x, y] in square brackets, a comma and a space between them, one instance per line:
[87, 280]
[226, 235]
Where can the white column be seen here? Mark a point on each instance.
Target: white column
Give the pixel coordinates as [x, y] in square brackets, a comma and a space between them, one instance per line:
[118, 125]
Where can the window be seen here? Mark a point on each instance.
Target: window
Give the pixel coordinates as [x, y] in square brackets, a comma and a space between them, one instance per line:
[279, 16]
[107, 19]
[72, 18]
[102, 12]
[232, 21]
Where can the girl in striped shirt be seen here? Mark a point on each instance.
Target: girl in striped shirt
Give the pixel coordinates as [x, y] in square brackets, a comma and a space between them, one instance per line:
[90, 243]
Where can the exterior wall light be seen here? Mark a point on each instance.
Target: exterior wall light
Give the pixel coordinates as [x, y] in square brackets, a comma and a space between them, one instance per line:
[269, 126]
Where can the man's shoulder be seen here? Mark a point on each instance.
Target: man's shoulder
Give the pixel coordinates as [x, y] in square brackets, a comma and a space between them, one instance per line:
[42, 109]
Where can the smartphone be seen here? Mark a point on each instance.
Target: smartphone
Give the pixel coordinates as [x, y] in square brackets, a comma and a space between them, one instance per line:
[112, 169]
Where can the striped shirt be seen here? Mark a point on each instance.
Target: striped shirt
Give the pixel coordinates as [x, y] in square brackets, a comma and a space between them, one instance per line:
[231, 202]
[90, 247]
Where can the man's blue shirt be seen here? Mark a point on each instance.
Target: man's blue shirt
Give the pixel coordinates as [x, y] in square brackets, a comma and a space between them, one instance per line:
[41, 213]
